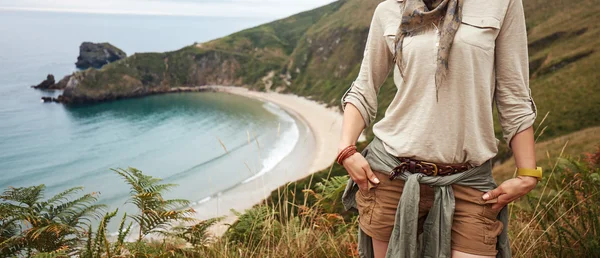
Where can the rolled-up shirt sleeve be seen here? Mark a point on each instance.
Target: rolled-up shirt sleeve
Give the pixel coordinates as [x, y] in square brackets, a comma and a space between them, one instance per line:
[375, 67]
[516, 108]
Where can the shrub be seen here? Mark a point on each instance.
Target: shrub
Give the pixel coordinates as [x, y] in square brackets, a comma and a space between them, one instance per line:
[30, 225]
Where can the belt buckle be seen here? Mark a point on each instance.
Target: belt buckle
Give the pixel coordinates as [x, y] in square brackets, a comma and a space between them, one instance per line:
[435, 168]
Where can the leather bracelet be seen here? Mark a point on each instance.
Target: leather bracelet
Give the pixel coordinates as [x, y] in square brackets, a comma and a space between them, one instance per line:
[344, 150]
[342, 154]
[345, 153]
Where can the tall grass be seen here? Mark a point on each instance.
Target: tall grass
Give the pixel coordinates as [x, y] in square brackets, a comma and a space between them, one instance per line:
[287, 229]
[560, 218]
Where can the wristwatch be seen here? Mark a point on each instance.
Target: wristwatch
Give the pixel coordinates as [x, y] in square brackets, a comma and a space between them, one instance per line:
[534, 172]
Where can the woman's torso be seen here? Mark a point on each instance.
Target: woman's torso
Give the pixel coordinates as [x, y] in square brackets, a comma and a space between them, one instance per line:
[458, 127]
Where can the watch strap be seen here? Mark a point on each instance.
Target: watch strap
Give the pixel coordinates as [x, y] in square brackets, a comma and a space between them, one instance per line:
[537, 172]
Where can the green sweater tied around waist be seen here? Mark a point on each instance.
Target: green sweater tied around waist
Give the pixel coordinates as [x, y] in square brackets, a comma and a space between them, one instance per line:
[436, 238]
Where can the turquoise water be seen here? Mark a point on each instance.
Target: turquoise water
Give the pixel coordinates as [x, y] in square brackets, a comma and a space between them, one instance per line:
[176, 137]
[207, 143]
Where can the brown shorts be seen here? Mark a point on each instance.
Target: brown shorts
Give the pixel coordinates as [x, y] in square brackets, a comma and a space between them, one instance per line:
[474, 230]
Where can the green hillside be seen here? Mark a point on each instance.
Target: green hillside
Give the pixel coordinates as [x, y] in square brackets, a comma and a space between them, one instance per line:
[317, 54]
[564, 50]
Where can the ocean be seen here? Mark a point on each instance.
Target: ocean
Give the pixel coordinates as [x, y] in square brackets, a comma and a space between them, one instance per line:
[207, 143]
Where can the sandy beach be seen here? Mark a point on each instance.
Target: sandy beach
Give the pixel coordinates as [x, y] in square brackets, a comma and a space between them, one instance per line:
[315, 151]
[325, 123]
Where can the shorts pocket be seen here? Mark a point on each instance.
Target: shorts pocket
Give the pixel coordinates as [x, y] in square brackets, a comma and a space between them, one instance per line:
[365, 200]
[493, 226]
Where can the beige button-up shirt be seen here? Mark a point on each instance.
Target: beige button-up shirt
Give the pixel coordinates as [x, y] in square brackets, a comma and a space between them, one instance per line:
[488, 63]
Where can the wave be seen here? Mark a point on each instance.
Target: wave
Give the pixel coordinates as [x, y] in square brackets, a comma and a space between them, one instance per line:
[200, 201]
[283, 147]
[195, 167]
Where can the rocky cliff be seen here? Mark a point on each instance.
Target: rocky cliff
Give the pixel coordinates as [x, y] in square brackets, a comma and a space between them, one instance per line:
[96, 55]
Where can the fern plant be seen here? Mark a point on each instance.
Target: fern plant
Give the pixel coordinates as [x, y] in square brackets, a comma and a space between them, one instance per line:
[330, 193]
[30, 225]
[252, 226]
[155, 213]
[197, 235]
[99, 245]
[56, 254]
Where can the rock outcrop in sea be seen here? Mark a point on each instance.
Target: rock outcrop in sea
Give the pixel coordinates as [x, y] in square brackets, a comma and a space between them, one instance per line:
[96, 55]
[50, 83]
[91, 55]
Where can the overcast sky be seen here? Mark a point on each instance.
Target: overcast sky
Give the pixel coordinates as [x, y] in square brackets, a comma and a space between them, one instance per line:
[228, 8]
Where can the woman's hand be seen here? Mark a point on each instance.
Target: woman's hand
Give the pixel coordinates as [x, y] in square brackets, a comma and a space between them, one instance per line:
[511, 190]
[359, 170]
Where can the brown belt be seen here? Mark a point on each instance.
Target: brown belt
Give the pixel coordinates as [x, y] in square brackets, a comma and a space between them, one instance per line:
[428, 168]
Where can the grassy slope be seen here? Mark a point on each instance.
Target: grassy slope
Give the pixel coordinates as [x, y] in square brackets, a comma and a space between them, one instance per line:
[564, 83]
[572, 145]
[563, 52]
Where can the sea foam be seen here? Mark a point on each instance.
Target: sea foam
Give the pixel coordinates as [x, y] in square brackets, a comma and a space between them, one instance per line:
[286, 141]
